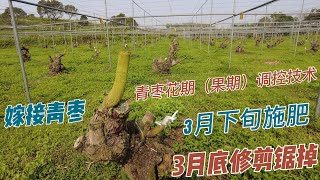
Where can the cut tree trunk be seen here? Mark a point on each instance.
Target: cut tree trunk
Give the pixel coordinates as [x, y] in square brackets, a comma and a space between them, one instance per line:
[55, 66]
[163, 65]
[239, 49]
[96, 54]
[314, 46]
[258, 41]
[25, 54]
[300, 43]
[223, 45]
[134, 145]
[270, 46]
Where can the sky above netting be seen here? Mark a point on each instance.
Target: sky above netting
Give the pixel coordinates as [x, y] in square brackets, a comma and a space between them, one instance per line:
[143, 8]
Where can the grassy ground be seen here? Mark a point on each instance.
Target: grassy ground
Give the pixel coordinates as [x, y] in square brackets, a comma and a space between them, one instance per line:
[46, 151]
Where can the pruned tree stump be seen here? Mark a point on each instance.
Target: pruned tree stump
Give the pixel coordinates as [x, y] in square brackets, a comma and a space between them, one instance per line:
[211, 43]
[134, 145]
[314, 46]
[106, 139]
[76, 45]
[223, 45]
[301, 43]
[239, 49]
[164, 65]
[270, 45]
[55, 66]
[25, 54]
[90, 44]
[258, 42]
[96, 54]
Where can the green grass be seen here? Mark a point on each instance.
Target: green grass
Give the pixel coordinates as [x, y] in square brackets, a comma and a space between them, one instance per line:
[47, 151]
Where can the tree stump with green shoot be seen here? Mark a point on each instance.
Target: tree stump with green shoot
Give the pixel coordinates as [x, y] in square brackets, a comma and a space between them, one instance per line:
[132, 144]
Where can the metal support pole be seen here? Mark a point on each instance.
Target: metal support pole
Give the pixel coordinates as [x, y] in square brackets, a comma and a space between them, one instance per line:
[246, 30]
[112, 38]
[159, 35]
[145, 32]
[222, 33]
[123, 36]
[81, 38]
[151, 35]
[38, 36]
[156, 32]
[193, 33]
[52, 38]
[75, 29]
[64, 36]
[133, 41]
[44, 38]
[292, 31]
[308, 31]
[95, 34]
[71, 41]
[264, 28]
[201, 30]
[232, 26]
[109, 55]
[297, 39]
[318, 106]
[16, 38]
[255, 28]
[273, 22]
